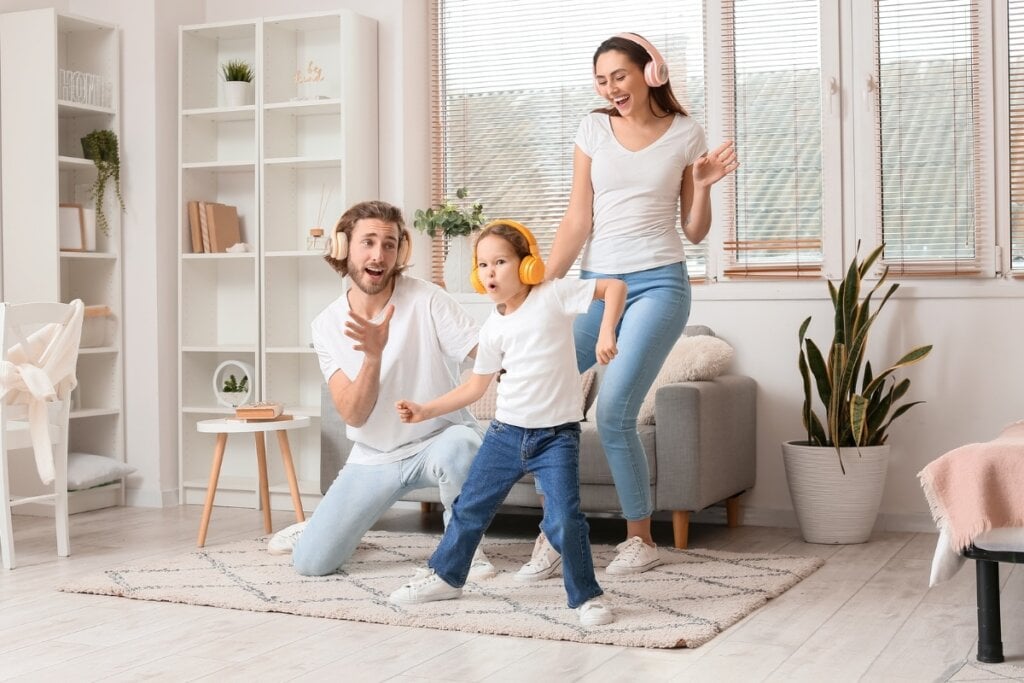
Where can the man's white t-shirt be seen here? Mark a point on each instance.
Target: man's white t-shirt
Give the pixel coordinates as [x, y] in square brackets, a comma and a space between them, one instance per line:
[534, 345]
[429, 334]
[636, 195]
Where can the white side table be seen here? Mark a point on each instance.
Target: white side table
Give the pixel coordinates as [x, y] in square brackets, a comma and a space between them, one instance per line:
[224, 426]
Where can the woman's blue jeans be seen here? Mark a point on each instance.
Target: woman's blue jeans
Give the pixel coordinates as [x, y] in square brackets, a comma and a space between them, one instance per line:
[657, 308]
[551, 455]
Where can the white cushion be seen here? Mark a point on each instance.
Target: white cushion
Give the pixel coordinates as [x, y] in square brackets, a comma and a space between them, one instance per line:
[86, 470]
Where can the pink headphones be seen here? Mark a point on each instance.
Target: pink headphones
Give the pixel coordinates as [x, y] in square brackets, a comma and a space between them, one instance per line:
[656, 70]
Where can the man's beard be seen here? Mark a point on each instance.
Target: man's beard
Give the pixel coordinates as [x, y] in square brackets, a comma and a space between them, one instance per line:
[360, 280]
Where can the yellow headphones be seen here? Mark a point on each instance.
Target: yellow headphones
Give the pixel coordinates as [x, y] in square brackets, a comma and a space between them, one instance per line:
[531, 268]
[339, 245]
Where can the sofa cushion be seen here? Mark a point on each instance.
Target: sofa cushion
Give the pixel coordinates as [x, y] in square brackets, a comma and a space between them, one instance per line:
[693, 359]
[484, 407]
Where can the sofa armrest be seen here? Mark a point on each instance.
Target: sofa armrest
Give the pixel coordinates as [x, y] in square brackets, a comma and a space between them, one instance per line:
[334, 444]
[706, 436]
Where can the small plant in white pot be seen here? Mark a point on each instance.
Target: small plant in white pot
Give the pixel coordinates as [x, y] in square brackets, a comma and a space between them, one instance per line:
[457, 224]
[836, 477]
[237, 82]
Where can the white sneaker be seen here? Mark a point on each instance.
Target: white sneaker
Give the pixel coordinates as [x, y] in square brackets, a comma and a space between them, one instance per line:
[481, 568]
[595, 613]
[634, 557]
[283, 542]
[543, 564]
[425, 587]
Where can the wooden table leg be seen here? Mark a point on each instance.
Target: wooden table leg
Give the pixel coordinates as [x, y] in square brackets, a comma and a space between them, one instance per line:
[261, 461]
[289, 470]
[211, 488]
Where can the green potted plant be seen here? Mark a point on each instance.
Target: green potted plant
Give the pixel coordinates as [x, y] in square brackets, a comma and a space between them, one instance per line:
[100, 146]
[836, 476]
[235, 392]
[238, 77]
[455, 223]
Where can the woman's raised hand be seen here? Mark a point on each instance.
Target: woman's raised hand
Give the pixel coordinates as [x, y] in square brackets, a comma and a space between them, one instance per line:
[715, 165]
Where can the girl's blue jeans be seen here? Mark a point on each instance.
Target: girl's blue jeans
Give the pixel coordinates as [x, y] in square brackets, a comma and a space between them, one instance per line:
[657, 308]
[551, 455]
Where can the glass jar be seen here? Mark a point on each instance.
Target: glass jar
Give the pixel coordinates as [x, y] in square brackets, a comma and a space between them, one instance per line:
[315, 241]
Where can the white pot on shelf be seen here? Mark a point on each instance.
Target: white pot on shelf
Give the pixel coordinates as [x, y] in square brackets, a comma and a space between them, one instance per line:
[237, 93]
[458, 264]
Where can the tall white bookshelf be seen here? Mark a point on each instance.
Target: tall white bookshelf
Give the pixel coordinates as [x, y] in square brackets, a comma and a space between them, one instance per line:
[44, 117]
[304, 150]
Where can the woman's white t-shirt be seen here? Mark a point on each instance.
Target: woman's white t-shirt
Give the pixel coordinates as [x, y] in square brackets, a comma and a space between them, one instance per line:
[534, 345]
[428, 327]
[636, 195]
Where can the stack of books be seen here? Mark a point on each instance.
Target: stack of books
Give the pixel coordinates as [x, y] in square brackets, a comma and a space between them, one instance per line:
[214, 227]
[263, 410]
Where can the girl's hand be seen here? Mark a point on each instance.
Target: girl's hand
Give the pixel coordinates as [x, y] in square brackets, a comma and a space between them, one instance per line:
[715, 165]
[606, 348]
[409, 411]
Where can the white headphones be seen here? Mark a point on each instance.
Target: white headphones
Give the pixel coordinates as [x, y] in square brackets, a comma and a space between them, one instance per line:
[339, 245]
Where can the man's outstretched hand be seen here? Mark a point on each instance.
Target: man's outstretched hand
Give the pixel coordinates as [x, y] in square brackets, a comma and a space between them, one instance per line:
[369, 338]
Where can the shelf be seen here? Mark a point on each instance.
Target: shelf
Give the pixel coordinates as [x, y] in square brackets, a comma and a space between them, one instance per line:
[306, 487]
[219, 256]
[305, 411]
[208, 410]
[306, 107]
[290, 349]
[220, 114]
[68, 163]
[68, 109]
[303, 162]
[96, 350]
[88, 255]
[225, 483]
[242, 348]
[94, 412]
[297, 253]
[220, 166]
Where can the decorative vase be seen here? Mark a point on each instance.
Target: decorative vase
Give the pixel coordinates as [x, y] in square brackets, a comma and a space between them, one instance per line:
[237, 93]
[458, 264]
[833, 507]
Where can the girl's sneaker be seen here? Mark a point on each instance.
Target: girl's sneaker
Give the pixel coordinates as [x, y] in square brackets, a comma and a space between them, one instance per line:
[426, 586]
[481, 568]
[543, 564]
[595, 613]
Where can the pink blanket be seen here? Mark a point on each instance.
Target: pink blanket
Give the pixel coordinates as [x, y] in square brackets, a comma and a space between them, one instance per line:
[978, 487]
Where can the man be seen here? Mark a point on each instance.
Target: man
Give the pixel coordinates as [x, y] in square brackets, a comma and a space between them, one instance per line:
[386, 338]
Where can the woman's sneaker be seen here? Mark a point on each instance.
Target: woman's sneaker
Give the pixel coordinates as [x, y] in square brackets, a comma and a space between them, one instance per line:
[283, 542]
[595, 613]
[426, 586]
[543, 564]
[481, 568]
[634, 557]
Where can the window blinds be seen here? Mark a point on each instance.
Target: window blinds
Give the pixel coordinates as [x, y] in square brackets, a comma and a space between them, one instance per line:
[510, 84]
[931, 198]
[772, 91]
[1016, 50]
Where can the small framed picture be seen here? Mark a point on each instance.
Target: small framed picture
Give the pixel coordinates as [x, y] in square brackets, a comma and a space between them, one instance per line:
[77, 228]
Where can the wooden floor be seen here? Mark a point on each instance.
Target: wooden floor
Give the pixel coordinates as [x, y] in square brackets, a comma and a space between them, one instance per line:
[866, 615]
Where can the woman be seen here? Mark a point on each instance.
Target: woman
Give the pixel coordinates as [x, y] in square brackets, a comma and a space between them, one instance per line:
[640, 165]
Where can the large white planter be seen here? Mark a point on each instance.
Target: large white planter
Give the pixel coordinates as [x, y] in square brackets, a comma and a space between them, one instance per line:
[458, 264]
[833, 507]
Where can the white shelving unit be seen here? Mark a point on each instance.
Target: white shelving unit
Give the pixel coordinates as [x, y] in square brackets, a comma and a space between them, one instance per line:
[295, 159]
[44, 167]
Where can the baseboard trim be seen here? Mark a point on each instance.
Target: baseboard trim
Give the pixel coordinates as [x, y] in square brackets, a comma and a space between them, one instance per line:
[148, 498]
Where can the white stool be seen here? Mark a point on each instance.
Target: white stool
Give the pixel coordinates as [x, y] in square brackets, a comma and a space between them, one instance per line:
[222, 427]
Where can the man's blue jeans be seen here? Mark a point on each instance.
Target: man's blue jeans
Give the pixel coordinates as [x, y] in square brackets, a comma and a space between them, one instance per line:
[508, 452]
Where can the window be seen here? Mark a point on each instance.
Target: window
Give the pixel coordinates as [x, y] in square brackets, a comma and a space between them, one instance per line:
[512, 80]
[1015, 21]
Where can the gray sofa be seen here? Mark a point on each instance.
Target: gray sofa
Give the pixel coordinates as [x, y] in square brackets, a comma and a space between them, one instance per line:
[701, 451]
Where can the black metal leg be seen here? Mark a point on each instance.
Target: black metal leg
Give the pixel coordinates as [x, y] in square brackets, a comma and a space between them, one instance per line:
[990, 637]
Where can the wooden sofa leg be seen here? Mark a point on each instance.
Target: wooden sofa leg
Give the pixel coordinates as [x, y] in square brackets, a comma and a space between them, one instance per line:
[681, 528]
[990, 637]
[732, 511]
[426, 508]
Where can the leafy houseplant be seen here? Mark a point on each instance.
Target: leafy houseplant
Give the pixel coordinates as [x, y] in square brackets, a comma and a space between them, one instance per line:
[236, 70]
[233, 386]
[100, 146]
[852, 418]
[449, 218]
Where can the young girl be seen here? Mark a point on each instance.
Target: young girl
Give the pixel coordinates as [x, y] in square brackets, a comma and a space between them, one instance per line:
[536, 427]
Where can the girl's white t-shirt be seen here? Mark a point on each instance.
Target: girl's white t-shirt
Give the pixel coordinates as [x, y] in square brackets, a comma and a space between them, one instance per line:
[534, 345]
[636, 195]
[430, 333]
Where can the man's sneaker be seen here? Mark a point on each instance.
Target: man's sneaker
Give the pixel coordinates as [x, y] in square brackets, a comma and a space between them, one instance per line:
[283, 542]
[543, 564]
[595, 613]
[634, 557]
[481, 568]
[425, 587]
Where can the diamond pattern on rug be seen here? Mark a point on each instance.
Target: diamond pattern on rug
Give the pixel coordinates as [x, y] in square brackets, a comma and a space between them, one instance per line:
[685, 602]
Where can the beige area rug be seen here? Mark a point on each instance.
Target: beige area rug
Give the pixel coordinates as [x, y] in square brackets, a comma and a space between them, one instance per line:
[686, 602]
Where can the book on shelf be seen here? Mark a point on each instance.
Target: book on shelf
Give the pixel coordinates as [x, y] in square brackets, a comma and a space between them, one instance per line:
[262, 410]
[204, 229]
[195, 228]
[222, 224]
